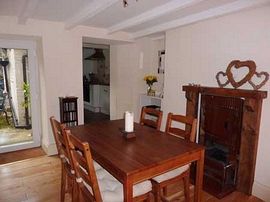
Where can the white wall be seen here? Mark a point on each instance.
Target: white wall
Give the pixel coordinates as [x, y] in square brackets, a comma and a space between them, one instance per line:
[59, 56]
[195, 53]
[127, 76]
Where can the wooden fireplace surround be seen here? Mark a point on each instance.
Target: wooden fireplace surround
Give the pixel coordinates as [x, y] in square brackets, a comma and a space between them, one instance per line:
[250, 126]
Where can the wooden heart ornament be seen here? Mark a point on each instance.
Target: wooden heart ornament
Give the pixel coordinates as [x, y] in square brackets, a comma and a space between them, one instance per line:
[240, 64]
[263, 81]
[222, 75]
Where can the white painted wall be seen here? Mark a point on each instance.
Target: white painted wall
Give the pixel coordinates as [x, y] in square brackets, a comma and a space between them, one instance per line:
[123, 74]
[195, 53]
[127, 77]
[60, 63]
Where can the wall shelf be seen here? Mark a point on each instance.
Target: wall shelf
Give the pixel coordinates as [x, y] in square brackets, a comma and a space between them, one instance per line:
[150, 100]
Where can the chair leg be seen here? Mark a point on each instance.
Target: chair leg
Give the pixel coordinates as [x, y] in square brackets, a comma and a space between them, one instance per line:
[186, 188]
[75, 192]
[63, 184]
[69, 188]
[148, 199]
[156, 191]
[81, 196]
[165, 191]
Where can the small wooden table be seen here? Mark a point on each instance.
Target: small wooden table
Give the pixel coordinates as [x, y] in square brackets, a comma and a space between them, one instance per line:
[150, 154]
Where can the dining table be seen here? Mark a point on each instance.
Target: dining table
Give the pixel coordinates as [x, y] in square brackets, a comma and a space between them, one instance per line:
[148, 154]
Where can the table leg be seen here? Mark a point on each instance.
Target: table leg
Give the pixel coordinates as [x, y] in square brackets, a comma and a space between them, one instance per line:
[199, 178]
[128, 191]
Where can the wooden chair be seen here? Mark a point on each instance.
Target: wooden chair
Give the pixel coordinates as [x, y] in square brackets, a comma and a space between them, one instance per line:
[99, 185]
[67, 173]
[161, 182]
[154, 121]
[190, 126]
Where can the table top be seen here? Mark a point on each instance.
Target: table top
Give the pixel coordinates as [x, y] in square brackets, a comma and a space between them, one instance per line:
[124, 157]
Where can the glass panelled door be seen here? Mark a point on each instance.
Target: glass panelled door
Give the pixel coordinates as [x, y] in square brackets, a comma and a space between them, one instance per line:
[19, 120]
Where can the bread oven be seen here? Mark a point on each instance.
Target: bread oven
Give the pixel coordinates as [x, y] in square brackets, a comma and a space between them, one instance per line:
[220, 133]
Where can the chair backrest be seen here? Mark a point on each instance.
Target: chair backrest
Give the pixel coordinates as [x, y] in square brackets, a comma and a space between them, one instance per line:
[84, 168]
[151, 117]
[60, 141]
[188, 133]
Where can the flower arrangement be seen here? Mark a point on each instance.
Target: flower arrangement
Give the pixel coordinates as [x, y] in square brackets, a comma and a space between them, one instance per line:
[150, 79]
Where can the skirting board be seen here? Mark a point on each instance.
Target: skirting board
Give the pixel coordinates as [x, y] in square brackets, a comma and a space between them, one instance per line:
[261, 191]
[50, 149]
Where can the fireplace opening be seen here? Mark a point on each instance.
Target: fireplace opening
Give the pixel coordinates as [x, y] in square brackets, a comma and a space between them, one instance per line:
[220, 171]
[220, 133]
[218, 153]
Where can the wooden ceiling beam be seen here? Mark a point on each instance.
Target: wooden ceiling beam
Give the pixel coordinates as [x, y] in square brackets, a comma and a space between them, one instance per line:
[210, 13]
[88, 12]
[153, 13]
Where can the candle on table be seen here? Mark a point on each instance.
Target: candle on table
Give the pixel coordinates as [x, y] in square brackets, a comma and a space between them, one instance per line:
[129, 119]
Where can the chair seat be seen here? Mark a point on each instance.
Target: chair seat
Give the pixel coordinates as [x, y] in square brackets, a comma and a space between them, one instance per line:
[112, 190]
[97, 166]
[171, 174]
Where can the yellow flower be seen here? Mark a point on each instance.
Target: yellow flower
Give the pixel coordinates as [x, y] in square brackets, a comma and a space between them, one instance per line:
[150, 79]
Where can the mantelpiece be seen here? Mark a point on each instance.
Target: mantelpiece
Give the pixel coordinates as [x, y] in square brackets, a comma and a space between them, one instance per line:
[252, 106]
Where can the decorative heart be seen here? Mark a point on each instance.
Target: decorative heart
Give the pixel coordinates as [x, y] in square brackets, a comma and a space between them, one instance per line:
[218, 77]
[263, 81]
[239, 64]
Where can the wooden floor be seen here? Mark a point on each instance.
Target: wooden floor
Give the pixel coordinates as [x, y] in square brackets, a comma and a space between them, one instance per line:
[38, 180]
[94, 116]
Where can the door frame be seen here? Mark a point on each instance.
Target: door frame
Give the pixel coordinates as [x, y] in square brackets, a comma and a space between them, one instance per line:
[30, 45]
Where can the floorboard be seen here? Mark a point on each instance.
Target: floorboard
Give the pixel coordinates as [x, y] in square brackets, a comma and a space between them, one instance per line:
[90, 117]
[38, 179]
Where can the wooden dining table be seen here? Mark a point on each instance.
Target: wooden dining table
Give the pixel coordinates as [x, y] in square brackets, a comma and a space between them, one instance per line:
[149, 154]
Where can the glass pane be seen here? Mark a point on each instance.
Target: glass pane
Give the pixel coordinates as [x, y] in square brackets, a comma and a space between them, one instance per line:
[15, 103]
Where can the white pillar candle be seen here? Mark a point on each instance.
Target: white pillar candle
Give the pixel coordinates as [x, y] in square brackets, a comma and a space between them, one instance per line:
[129, 118]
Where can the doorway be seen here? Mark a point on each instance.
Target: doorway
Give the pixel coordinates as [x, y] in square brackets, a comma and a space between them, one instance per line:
[19, 120]
[96, 82]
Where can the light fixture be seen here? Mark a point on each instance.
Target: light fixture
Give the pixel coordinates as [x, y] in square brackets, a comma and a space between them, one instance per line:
[125, 3]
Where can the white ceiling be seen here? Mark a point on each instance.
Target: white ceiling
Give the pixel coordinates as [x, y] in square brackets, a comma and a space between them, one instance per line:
[139, 18]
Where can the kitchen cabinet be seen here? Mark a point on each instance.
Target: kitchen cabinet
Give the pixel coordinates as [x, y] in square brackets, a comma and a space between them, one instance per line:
[99, 98]
[94, 97]
[104, 98]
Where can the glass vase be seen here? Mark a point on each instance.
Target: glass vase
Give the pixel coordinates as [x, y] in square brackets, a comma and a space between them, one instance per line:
[150, 91]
